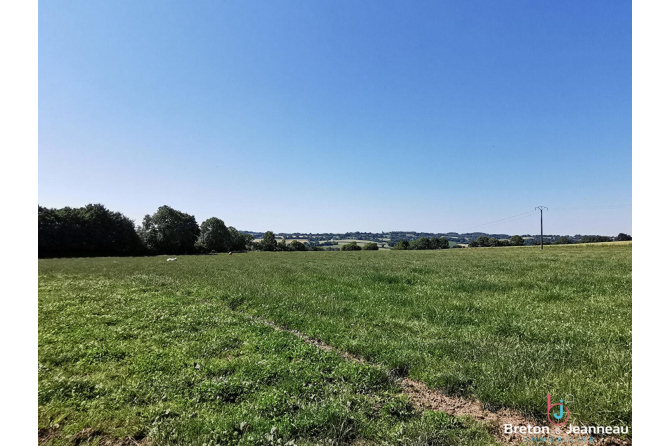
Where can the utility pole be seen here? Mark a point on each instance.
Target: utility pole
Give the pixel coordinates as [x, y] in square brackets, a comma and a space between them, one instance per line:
[541, 208]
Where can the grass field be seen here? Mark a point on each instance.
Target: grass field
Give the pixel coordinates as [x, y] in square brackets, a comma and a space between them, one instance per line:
[142, 347]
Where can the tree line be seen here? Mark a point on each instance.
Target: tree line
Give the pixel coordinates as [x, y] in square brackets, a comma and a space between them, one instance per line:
[483, 242]
[422, 243]
[94, 230]
[269, 243]
[517, 240]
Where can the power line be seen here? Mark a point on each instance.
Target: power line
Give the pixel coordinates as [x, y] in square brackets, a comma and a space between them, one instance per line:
[498, 221]
[525, 214]
[595, 207]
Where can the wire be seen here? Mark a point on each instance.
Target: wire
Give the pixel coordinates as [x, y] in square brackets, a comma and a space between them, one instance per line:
[518, 216]
[498, 221]
[595, 207]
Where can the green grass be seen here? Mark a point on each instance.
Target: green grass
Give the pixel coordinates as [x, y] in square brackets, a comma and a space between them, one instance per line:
[145, 347]
[135, 357]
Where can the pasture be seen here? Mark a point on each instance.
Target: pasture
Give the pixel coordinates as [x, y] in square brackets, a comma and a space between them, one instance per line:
[169, 352]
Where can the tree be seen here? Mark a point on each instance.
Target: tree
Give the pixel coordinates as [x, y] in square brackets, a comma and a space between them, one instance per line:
[623, 237]
[473, 244]
[169, 231]
[214, 235]
[516, 240]
[269, 242]
[239, 241]
[371, 247]
[483, 241]
[401, 245]
[350, 247]
[92, 230]
[297, 246]
[420, 243]
[562, 241]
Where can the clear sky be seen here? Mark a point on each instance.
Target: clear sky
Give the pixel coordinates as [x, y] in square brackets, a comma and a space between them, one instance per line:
[334, 116]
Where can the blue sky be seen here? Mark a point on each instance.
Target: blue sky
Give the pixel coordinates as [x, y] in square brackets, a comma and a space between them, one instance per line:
[341, 116]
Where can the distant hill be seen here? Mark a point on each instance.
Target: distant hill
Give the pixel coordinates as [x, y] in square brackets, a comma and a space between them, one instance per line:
[390, 238]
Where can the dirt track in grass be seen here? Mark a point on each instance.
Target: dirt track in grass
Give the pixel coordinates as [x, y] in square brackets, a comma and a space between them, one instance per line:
[85, 436]
[424, 398]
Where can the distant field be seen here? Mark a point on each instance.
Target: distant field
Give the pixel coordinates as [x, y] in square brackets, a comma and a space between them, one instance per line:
[339, 242]
[360, 243]
[143, 347]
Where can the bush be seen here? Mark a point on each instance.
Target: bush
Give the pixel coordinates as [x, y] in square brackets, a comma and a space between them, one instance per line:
[371, 247]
